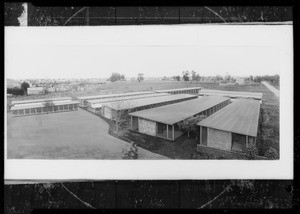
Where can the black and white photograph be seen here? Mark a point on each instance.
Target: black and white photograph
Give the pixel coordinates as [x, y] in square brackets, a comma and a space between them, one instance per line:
[149, 93]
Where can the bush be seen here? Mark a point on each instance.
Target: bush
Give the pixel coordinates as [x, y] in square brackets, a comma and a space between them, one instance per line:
[130, 151]
[252, 152]
[272, 154]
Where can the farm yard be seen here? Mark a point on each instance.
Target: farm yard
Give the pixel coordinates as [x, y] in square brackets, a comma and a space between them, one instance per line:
[53, 137]
[64, 135]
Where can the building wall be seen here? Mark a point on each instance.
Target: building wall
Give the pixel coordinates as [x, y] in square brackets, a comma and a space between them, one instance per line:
[147, 127]
[219, 139]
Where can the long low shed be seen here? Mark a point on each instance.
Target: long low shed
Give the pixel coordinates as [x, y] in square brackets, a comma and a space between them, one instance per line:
[234, 128]
[232, 94]
[41, 108]
[192, 90]
[115, 110]
[95, 105]
[17, 102]
[163, 121]
[83, 99]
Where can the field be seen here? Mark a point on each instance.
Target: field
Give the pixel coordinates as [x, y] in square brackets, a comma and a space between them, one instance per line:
[66, 135]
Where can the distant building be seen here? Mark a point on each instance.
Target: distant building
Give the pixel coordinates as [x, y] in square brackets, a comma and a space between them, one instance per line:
[35, 90]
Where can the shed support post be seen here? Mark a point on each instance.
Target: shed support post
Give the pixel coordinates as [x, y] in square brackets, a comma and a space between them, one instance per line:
[247, 141]
[200, 135]
[167, 131]
[173, 137]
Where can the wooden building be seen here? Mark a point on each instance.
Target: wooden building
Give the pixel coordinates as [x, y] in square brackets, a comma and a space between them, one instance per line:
[42, 108]
[116, 110]
[233, 128]
[163, 121]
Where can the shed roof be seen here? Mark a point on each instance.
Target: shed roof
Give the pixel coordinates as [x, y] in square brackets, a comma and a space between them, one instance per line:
[174, 113]
[99, 102]
[178, 89]
[240, 117]
[126, 98]
[102, 96]
[244, 94]
[130, 104]
[14, 102]
[41, 104]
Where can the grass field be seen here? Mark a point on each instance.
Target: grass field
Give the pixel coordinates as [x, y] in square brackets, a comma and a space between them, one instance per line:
[66, 135]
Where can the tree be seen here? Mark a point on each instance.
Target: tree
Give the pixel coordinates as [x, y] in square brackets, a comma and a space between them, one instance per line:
[140, 77]
[116, 77]
[190, 124]
[186, 75]
[130, 152]
[195, 76]
[272, 153]
[219, 78]
[176, 78]
[48, 104]
[24, 87]
[121, 117]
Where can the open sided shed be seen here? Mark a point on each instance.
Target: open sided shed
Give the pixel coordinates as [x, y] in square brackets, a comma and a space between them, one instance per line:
[163, 121]
[83, 99]
[41, 108]
[234, 128]
[95, 105]
[115, 110]
[232, 94]
[193, 90]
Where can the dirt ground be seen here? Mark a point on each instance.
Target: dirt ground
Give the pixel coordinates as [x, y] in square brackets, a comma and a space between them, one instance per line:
[65, 135]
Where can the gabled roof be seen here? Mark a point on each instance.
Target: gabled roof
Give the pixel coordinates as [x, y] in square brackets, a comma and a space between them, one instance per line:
[240, 117]
[174, 113]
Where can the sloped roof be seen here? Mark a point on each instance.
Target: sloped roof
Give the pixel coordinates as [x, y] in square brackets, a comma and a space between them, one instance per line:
[174, 113]
[125, 98]
[244, 94]
[102, 96]
[240, 117]
[130, 104]
[14, 102]
[41, 104]
[178, 89]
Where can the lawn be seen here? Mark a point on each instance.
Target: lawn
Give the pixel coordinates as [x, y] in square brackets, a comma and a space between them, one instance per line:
[65, 135]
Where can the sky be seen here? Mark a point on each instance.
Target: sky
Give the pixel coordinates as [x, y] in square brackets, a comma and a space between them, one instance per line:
[156, 51]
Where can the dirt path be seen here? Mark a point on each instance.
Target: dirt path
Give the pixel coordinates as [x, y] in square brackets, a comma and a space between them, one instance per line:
[271, 88]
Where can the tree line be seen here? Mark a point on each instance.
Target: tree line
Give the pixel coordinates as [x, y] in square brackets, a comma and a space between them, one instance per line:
[19, 91]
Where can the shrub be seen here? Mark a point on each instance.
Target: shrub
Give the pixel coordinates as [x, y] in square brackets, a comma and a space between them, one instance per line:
[252, 152]
[272, 153]
[130, 151]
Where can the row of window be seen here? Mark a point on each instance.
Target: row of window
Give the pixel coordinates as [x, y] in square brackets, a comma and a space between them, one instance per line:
[45, 109]
[194, 91]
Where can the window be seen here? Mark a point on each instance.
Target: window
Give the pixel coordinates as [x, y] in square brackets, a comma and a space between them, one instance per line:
[21, 111]
[162, 130]
[39, 110]
[32, 111]
[135, 125]
[61, 108]
[26, 111]
[15, 112]
[65, 107]
[251, 141]
[170, 132]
